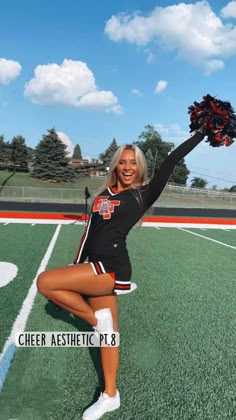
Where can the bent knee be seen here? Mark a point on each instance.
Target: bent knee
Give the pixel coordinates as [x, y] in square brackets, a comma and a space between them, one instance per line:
[42, 283]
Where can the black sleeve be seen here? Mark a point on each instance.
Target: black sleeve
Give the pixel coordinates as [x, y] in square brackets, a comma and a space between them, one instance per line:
[152, 191]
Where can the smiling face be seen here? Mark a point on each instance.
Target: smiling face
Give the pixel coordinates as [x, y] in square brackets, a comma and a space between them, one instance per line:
[126, 170]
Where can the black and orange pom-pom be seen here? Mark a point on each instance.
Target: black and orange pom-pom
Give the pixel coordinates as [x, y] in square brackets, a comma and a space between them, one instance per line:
[216, 117]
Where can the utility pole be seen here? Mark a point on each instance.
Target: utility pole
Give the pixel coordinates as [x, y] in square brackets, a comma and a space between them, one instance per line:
[154, 163]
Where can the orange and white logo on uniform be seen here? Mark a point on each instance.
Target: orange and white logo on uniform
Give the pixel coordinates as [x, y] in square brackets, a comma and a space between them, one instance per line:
[105, 206]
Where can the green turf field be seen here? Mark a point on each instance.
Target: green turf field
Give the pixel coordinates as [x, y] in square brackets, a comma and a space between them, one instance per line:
[177, 330]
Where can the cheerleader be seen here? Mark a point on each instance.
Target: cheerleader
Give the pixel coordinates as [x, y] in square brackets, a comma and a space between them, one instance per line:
[120, 204]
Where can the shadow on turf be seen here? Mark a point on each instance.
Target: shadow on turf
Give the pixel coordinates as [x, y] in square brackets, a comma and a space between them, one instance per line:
[58, 313]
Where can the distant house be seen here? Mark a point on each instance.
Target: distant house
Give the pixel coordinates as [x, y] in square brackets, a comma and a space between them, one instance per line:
[79, 163]
[85, 167]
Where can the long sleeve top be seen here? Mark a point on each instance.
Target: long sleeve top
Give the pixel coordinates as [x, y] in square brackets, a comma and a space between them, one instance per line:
[115, 213]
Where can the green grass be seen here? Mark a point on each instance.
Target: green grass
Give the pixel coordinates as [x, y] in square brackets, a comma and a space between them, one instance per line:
[228, 238]
[22, 186]
[23, 246]
[31, 189]
[25, 180]
[177, 338]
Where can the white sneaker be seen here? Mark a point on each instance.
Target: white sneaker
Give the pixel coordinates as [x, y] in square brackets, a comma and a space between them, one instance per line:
[105, 323]
[103, 405]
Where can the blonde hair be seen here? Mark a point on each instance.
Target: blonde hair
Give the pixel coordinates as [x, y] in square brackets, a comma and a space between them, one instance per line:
[141, 168]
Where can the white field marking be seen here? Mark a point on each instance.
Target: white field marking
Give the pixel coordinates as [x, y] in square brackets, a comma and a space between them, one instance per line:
[227, 230]
[209, 239]
[21, 319]
[41, 221]
[33, 224]
[203, 229]
[8, 272]
[5, 224]
[189, 225]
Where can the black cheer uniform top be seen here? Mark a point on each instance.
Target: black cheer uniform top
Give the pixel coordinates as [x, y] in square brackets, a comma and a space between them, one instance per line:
[113, 214]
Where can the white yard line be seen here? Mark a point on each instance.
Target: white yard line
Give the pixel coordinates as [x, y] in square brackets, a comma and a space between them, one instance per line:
[9, 348]
[209, 239]
[189, 225]
[150, 224]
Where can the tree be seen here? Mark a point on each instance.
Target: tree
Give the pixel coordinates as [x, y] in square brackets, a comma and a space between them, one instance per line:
[3, 151]
[151, 139]
[180, 173]
[77, 153]
[197, 182]
[19, 153]
[30, 152]
[14, 154]
[150, 162]
[232, 189]
[109, 152]
[50, 160]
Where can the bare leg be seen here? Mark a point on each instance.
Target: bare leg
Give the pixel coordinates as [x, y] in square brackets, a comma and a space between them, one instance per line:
[109, 355]
[65, 285]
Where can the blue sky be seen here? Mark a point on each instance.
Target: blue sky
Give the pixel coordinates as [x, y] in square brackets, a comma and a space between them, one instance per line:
[99, 70]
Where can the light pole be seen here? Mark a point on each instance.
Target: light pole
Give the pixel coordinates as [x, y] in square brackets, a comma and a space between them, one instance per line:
[154, 163]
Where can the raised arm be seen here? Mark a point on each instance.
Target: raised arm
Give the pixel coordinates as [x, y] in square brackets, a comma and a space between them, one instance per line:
[160, 179]
[211, 116]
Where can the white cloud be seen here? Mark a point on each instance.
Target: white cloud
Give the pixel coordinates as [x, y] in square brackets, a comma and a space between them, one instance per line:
[67, 141]
[136, 92]
[174, 133]
[193, 31]
[9, 70]
[213, 65]
[151, 58]
[100, 100]
[162, 129]
[177, 131]
[229, 10]
[72, 83]
[161, 85]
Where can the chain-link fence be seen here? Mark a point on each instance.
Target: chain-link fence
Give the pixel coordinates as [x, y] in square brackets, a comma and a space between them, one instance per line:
[172, 196]
[35, 194]
[177, 196]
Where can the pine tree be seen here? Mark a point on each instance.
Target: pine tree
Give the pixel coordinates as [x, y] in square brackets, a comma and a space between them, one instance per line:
[77, 153]
[109, 152]
[19, 153]
[3, 151]
[50, 161]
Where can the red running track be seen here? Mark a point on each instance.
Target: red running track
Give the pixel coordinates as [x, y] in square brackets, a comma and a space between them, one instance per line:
[154, 219]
